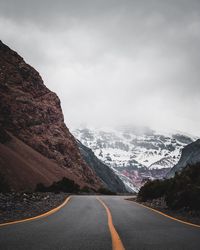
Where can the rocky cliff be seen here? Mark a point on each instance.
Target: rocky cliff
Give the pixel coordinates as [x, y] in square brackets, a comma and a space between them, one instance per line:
[31, 120]
[190, 156]
[107, 175]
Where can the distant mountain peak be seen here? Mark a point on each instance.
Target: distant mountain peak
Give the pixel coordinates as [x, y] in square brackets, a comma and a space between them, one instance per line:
[135, 154]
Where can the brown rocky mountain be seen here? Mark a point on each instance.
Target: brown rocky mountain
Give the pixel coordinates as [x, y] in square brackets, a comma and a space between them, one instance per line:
[35, 144]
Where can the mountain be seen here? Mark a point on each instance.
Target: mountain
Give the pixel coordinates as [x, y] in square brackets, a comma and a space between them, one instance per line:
[35, 144]
[190, 156]
[22, 167]
[135, 154]
[111, 181]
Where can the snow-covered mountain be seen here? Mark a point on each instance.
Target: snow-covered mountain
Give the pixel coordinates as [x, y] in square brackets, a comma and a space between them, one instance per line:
[135, 154]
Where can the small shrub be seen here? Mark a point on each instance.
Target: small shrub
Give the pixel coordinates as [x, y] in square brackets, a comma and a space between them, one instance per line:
[41, 188]
[85, 190]
[182, 191]
[64, 185]
[185, 189]
[106, 191]
[4, 187]
[153, 189]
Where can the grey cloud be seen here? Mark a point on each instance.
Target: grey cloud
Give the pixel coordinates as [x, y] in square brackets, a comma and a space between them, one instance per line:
[113, 62]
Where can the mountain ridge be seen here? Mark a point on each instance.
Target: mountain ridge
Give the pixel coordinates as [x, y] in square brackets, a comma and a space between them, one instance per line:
[111, 180]
[32, 113]
[190, 156]
[135, 154]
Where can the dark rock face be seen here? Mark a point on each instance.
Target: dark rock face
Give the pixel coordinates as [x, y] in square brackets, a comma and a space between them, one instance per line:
[190, 156]
[32, 113]
[109, 178]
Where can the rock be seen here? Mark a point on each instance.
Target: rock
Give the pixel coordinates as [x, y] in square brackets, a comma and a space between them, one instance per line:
[190, 155]
[107, 175]
[31, 116]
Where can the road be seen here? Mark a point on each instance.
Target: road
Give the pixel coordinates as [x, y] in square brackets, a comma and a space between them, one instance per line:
[83, 224]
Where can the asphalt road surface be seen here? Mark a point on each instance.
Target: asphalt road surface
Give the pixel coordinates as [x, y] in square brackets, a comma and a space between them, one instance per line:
[83, 224]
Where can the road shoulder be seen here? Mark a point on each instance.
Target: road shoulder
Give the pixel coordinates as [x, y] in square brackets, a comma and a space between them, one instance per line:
[25, 207]
[174, 215]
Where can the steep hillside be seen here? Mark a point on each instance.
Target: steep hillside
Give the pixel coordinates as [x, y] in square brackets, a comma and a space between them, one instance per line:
[107, 175]
[180, 192]
[30, 112]
[135, 154]
[190, 156]
[22, 168]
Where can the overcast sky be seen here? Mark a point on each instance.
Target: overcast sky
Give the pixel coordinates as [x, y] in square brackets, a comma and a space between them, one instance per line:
[113, 62]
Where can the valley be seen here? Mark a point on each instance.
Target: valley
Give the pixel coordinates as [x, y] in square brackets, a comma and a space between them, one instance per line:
[135, 154]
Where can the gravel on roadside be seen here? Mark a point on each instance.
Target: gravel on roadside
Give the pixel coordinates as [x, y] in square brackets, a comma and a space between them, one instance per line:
[17, 206]
[182, 214]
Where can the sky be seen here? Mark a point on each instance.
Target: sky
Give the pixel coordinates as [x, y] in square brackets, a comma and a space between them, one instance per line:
[113, 62]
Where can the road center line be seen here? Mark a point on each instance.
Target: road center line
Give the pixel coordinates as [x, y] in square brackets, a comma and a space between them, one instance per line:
[52, 211]
[116, 241]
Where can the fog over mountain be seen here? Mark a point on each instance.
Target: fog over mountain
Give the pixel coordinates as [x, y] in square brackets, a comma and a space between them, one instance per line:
[113, 62]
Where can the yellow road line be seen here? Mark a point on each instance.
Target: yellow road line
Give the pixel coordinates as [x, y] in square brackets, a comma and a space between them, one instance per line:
[116, 241]
[38, 216]
[168, 216]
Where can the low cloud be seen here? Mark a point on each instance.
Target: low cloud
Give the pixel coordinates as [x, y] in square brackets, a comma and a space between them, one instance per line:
[113, 62]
